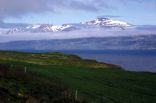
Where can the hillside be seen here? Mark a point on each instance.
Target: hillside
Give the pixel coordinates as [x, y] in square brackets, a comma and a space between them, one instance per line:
[61, 78]
[144, 42]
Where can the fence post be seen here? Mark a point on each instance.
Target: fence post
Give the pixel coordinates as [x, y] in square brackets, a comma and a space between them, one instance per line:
[76, 95]
[25, 69]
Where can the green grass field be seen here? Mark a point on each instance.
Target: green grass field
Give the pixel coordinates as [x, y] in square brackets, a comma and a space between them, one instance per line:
[57, 72]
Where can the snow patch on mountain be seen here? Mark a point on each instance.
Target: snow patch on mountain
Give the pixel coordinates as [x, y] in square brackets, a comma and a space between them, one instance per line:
[33, 26]
[106, 22]
[40, 28]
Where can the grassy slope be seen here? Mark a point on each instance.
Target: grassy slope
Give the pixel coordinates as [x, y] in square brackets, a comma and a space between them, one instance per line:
[96, 82]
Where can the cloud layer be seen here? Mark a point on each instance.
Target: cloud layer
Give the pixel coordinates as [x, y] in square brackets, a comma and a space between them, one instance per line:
[84, 33]
[16, 8]
[19, 7]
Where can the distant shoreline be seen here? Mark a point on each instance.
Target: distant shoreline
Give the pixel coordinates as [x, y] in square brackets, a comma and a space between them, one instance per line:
[129, 52]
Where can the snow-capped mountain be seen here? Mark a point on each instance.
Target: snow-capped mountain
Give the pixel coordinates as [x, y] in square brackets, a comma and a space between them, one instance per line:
[49, 28]
[105, 23]
[41, 28]
[101, 33]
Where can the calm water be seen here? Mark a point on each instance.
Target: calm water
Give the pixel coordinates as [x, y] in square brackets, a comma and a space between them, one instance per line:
[129, 60]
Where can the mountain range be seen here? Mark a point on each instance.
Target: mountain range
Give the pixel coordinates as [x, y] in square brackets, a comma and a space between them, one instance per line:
[97, 34]
[96, 23]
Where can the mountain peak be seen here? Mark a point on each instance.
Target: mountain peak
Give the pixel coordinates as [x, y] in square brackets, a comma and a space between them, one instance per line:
[107, 22]
[102, 18]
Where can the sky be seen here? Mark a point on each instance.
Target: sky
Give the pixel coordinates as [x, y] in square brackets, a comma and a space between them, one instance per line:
[138, 12]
